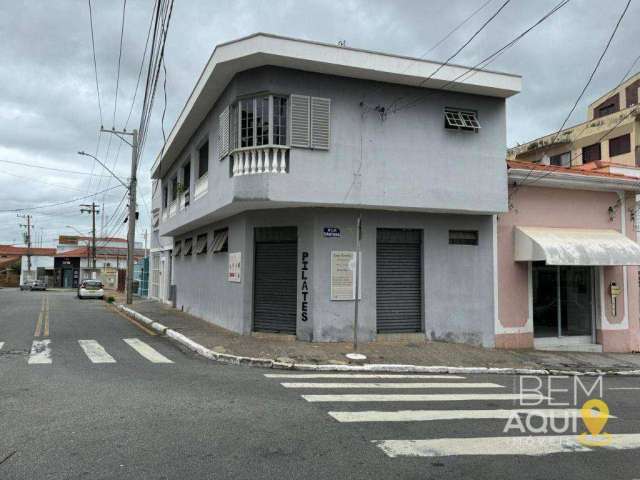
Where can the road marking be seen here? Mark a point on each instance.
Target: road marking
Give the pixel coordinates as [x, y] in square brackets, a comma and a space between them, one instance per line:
[95, 352]
[391, 385]
[359, 375]
[428, 415]
[529, 445]
[1, 345]
[40, 352]
[623, 388]
[46, 315]
[424, 398]
[146, 351]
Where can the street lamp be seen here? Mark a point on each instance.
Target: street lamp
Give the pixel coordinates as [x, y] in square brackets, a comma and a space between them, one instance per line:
[82, 152]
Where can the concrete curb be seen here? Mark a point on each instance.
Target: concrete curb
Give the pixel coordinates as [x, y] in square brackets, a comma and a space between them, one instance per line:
[371, 367]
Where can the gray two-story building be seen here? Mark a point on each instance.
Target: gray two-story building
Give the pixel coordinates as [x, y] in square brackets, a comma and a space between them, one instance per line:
[284, 143]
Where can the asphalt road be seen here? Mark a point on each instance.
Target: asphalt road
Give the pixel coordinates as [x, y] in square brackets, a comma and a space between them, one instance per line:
[135, 416]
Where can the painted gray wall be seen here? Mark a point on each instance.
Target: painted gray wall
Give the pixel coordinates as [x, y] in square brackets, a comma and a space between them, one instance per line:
[458, 280]
[407, 162]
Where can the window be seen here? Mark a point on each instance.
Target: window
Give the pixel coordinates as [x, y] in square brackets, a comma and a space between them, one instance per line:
[279, 120]
[165, 196]
[463, 237]
[177, 248]
[246, 122]
[258, 121]
[203, 159]
[620, 145]
[461, 120]
[186, 176]
[201, 244]
[174, 188]
[609, 106]
[561, 160]
[220, 241]
[188, 246]
[591, 153]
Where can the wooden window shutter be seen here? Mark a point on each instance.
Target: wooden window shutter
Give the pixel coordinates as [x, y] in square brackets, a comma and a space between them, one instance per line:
[320, 123]
[300, 129]
[223, 133]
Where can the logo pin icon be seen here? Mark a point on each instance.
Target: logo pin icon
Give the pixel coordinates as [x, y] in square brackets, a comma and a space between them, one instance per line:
[595, 414]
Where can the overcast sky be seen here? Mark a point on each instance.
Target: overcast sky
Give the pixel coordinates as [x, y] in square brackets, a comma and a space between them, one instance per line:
[49, 108]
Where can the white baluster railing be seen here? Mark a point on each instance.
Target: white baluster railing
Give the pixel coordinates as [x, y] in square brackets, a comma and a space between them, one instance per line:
[260, 160]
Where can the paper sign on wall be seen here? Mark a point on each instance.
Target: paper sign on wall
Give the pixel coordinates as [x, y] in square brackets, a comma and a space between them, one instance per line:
[234, 267]
[343, 281]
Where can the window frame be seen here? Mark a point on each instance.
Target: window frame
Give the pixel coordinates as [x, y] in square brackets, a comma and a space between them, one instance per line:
[560, 155]
[224, 247]
[247, 134]
[174, 188]
[203, 248]
[461, 119]
[593, 145]
[188, 247]
[620, 150]
[203, 146]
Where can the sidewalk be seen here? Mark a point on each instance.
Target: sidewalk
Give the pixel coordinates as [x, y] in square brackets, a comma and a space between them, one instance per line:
[422, 353]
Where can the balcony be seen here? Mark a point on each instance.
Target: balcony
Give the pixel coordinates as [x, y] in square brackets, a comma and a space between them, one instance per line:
[260, 160]
[173, 208]
[184, 199]
[201, 186]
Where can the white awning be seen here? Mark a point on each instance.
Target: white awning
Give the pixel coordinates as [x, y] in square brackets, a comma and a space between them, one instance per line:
[575, 246]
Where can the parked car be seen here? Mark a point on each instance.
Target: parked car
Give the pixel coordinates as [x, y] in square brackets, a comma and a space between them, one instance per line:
[33, 285]
[91, 289]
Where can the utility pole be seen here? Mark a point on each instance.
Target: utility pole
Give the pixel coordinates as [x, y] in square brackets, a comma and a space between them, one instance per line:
[92, 209]
[27, 241]
[357, 282]
[133, 183]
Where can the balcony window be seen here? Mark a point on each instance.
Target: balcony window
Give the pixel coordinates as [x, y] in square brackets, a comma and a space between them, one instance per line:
[174, 188]
[258, 121]
[165, 196]
[186, 182]
[203, 159]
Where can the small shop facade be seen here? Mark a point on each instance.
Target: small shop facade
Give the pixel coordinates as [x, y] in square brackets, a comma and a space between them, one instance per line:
[292, 271]
[568, 261]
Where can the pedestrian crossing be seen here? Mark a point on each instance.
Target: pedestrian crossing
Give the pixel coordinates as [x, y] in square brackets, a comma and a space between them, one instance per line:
[478, 406]
[44, 352]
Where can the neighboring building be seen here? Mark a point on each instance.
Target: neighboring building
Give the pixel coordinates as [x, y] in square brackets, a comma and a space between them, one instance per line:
[283, 143]
[141, 277]
[567, 261]
[41, 262]
[160, 259]
[610, 136]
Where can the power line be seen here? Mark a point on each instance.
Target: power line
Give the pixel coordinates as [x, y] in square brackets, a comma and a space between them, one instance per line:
[115, 103]
[57, 204]
[95, 65]
[462, 47]
[460, 25]
[584, 89]
[473, 70]
[74, 172]
[33, 179]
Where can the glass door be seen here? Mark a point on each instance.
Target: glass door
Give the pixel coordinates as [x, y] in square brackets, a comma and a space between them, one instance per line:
[563, 300]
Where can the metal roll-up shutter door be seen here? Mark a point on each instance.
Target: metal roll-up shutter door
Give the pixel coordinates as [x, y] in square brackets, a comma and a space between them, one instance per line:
[275, 280]
[399, 281]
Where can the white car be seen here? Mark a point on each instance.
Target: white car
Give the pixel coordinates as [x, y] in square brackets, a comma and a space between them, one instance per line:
[90, 289]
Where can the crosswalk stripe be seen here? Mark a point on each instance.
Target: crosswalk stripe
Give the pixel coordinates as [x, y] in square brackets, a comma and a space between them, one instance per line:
[529, 445]
[391, 385]
[1, 345]
[428, 415]
[359, 375]
[146, 351]
[433, 397]
[40, 352]
[95, 352]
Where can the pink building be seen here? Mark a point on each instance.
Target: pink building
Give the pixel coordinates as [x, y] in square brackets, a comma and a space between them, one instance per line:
[568, 261]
